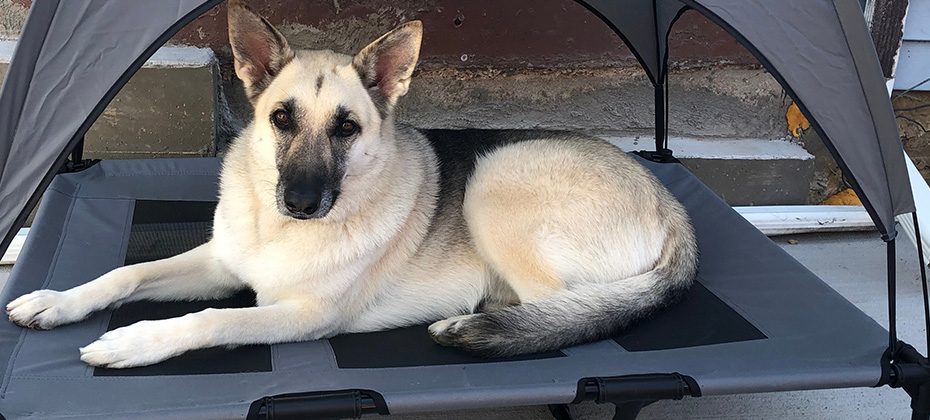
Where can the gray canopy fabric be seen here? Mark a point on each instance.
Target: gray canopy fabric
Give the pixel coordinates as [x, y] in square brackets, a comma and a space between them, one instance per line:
[821, 53]
[74, 55]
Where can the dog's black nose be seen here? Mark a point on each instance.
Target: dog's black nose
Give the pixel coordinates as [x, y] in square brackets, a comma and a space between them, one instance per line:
[302, 201]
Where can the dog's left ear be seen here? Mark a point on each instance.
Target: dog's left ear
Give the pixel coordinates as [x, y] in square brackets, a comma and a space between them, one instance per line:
[385, 66]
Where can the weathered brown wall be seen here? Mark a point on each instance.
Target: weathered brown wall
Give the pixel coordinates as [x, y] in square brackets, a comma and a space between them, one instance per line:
[524, 63]
[515, 63]
[512, 33]
[510, 64]
[473, 33]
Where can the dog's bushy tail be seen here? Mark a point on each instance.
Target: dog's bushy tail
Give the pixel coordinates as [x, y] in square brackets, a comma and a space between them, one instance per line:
[587, 313]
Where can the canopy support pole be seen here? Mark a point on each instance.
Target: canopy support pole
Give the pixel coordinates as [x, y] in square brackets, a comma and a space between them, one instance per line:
[77, 163]
[923, 278]
[661, 154]
[892, 299]
[908, 368]
[77, 154]
[920, 394]
[661, 117]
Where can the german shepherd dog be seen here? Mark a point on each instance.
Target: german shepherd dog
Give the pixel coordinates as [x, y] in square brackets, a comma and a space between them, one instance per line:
[342, 220]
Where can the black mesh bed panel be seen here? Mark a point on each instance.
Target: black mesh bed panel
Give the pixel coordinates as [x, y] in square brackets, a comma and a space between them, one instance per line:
[757, 321]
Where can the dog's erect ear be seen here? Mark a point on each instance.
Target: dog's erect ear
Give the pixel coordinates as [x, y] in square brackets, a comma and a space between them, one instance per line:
[385, 66]
[259, 49]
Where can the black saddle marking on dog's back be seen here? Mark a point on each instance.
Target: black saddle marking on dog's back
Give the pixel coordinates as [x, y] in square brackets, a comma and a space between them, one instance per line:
[458, 150]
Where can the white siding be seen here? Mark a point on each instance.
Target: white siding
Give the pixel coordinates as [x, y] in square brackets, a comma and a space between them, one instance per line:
[917, 26]
[914, 61]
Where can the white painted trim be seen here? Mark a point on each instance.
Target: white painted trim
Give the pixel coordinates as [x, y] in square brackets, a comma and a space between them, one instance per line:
[165, 57]
[921, 193]
[15, 247]
[6, 51]
[742, 149]
[180, 57]
[783, 220]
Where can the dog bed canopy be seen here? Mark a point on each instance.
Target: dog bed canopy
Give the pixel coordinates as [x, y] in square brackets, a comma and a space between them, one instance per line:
[731, 334]
[73, 56]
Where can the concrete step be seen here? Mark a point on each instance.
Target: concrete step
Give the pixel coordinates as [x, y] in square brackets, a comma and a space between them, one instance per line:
[744, 172]
[165, 110]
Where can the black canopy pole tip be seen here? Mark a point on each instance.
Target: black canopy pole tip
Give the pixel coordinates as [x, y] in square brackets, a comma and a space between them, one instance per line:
[665, 89]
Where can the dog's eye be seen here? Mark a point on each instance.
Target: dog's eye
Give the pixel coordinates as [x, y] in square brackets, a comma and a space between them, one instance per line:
[347, 128]
[281, 119]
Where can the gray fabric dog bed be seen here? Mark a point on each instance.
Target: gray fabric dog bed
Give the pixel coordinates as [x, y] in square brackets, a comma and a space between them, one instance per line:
[757, 321]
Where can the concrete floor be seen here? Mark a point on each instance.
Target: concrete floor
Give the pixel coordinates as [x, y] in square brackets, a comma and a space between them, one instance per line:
[854, 265]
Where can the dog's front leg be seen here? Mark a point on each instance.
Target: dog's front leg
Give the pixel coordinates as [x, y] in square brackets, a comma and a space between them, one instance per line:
[149, 342]
[195, 274]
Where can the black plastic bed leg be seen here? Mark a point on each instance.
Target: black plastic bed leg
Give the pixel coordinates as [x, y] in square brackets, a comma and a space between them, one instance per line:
[561, 412]
[628, 410]
[920, 403]
[625, 411]
[911, 371]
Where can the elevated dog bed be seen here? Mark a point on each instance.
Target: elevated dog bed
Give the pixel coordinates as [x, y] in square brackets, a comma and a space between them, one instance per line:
[756, 321]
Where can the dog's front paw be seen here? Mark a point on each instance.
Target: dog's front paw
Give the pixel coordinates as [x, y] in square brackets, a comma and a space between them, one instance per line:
[44, 309]
[140, 344]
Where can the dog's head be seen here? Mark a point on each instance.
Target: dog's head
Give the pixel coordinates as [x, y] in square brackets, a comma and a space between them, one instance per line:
[320, 114]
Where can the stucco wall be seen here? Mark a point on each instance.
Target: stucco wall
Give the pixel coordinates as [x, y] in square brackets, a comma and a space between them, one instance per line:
[506, 64]
[474, 33]
[526, 63]
[518, 63]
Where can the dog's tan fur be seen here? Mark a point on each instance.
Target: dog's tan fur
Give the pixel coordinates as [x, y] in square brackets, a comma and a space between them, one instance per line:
[570, 229]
